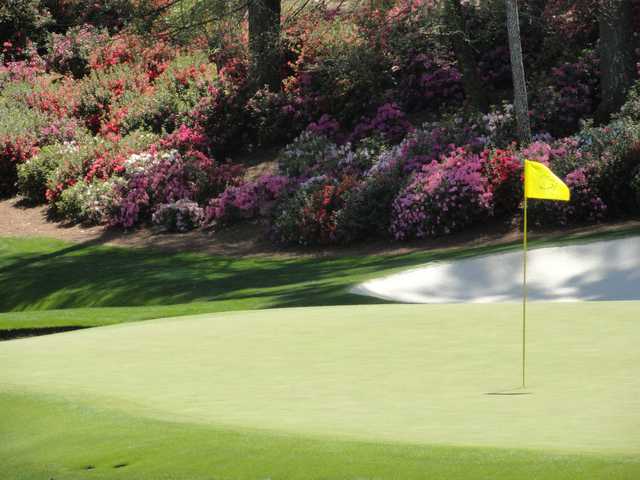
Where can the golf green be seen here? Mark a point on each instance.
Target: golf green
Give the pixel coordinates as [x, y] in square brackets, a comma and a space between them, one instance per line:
[428, 374]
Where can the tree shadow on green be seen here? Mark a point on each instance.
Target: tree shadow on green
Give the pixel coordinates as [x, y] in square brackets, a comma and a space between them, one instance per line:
[42, 274]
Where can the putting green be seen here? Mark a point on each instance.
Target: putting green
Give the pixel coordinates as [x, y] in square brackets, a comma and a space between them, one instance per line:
[423, 374]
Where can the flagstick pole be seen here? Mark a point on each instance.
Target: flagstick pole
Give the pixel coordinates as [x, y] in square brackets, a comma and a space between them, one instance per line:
[524, 287]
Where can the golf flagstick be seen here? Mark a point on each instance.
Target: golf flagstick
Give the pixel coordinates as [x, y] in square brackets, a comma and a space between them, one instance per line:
[539, 182]
[524, 283]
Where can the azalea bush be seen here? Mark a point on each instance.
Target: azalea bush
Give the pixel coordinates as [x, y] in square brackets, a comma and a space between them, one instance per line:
[18, 141]
[310, 215]
[274, 118]
[499, 126]
[631, 109]
[89, 203]
[584, 207]
[443, 198]
[503, 170]
[60, 130]
[571, 94]
[54, 97]
[13, 151]
[119, 50]
[368, 203]
[211, 176]
[69, 53]
[180, 216]
[423, 69]
[21, 21]
[309, 154]
[34, 173]
[389, 123]
[428, 81]
[373, 135]
[152, 178]
[598, 164]
[614, 151]
[326, 126]
[103, 97]
[347, 82]
[110, 14]
[183, 83]
[221, 115]
[249, 200]
[24, 67]
[435, 139]
[27, 123]
[88, 158]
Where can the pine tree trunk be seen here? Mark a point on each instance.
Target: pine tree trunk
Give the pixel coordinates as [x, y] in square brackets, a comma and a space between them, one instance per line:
[264, 43]
[473, 89]
[617, 69]
[521, 105]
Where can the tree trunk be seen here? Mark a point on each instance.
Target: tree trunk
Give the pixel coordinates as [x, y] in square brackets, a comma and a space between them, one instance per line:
[474, 91]
[617, 69]
[520, 102]
[264, 43]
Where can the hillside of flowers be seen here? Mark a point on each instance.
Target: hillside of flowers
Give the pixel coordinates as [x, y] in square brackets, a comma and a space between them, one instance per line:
[374, 137]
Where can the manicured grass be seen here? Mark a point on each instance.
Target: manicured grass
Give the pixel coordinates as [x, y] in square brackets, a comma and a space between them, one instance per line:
[362, 392]
[409, 373]
[387, 391]
[44, 438]
[48, 283]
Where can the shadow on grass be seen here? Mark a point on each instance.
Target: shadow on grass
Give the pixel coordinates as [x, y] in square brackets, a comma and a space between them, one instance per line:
[51, 275]
[16, 333]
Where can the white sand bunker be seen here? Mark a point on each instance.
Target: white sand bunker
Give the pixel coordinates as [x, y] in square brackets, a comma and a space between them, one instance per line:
[606, 270]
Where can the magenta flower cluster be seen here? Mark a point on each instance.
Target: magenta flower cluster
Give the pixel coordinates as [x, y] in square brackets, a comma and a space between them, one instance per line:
[249, 200]
[442, 198]
[433, 140]
[326, 126]
[22, 70]
[389, 122]
[586, 205]
[59, 130]
[152, 178]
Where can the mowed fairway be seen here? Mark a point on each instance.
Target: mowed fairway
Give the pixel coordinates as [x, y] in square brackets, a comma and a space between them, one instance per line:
[402, 374]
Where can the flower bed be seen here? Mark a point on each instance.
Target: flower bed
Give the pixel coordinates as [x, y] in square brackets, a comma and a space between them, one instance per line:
[371, 128]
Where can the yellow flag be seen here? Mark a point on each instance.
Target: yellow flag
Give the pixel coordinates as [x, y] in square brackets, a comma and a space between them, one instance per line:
[540, 182]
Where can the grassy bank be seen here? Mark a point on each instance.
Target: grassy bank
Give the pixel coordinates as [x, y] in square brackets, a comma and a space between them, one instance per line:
[49, 283]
